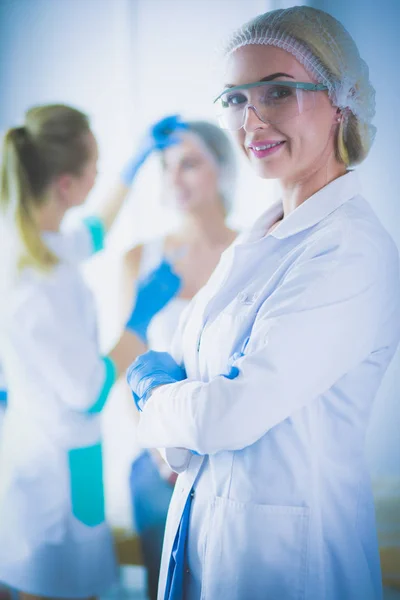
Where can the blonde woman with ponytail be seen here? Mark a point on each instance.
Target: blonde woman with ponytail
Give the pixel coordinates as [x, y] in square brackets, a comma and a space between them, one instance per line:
[54, 541]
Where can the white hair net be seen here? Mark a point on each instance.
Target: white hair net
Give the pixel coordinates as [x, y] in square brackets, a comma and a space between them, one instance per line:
[325, 49]
[220, 148]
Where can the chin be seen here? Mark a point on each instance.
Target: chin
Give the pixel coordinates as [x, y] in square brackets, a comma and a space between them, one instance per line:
[268, 170]
[272, 167]
[184, 205]
[76, 202]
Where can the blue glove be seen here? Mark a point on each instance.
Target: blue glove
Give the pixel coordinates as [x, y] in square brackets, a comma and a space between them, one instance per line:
[233, 371]
[159, 136]
[150, 370]
[3, 397]
[154, 291]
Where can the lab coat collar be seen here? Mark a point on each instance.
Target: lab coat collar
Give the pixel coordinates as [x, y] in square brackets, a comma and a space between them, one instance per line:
[67, 246]
[312, 211]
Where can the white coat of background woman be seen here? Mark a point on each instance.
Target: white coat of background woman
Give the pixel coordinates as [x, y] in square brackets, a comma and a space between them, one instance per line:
[54, 540]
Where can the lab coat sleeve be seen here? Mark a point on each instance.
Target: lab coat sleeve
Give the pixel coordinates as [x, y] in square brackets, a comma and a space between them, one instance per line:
[67, 357]
[317, 325]
[178, 458]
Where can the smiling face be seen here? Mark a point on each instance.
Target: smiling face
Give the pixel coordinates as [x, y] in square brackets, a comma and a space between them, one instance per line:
[294, 148]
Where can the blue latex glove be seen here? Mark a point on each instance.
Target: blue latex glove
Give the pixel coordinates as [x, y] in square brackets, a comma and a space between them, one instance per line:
[149, 371]
[154, 291]
[158, 137]
[233, 371]
[3, 397]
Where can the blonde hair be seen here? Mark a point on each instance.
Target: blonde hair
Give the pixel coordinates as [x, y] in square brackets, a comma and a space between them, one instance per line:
[51, 142]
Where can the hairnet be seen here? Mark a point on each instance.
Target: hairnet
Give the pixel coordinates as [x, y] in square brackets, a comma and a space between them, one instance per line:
[218, 145]
[325, 49]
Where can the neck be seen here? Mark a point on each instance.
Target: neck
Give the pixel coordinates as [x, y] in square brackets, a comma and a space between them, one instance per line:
[50, 214]
[295, 192]
[205, 226]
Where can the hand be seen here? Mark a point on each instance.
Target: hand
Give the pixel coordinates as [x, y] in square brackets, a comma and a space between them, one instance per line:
[153, 292]
[158, 137]
[149, 371]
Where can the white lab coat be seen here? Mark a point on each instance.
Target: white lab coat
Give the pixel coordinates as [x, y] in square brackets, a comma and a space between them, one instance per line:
[53, 538]
[283, 507]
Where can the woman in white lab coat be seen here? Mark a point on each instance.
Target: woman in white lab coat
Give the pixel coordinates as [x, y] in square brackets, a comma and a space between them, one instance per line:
[54, 541]
[279, 357]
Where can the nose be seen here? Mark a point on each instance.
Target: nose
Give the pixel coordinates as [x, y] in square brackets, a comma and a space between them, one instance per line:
[252, 120]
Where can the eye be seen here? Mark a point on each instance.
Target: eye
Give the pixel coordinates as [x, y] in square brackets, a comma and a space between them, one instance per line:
[190, 163]
[234, 99]
[278, 92]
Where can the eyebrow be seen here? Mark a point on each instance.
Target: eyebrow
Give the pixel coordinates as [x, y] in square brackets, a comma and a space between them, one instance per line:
[267, 78]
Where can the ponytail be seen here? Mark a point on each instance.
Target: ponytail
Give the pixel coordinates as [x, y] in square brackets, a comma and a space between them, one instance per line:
[51, 143]
[17, 197]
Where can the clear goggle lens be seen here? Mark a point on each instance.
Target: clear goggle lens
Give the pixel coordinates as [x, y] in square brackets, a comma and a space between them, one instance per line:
[272, 102]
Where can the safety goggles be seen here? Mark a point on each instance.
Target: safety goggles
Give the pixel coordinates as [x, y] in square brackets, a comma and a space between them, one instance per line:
[272, 101]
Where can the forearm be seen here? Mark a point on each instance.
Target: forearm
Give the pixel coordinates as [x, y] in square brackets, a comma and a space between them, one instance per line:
[127, 349]
[113, 204]
[129, 272]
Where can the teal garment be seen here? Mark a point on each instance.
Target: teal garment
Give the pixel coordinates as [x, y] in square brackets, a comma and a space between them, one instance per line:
[109, 380]
[87, 488]
[97, 231]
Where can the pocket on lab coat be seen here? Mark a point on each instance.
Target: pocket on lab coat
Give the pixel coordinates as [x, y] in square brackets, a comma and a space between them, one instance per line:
[255, 551]
[86, 480]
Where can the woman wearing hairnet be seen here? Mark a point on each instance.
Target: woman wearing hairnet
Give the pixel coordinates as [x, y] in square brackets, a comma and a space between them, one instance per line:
[54, 540]
[199, 177]
[264, 404]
